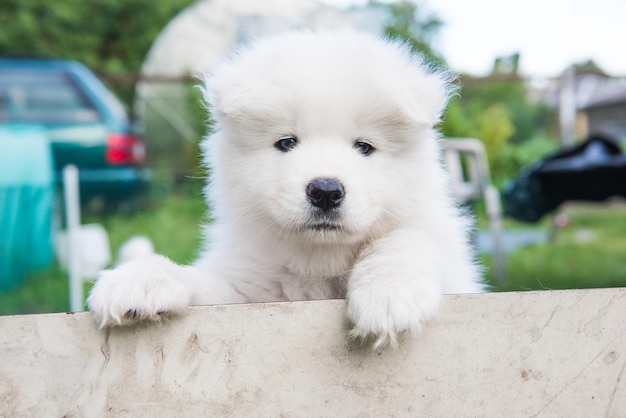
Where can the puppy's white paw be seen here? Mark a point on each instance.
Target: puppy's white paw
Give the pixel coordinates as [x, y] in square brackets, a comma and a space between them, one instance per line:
[383, 311]
[146, 288]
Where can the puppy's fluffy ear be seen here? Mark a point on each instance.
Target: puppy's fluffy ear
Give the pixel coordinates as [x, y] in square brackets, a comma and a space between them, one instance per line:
[232, 96]
[233, 91]
[224, 90]
[420, 90]
[440, 99]
[428, 93]
[213, 97]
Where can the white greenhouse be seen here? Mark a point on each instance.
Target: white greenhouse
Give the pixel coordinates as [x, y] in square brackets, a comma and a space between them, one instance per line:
[166, 103]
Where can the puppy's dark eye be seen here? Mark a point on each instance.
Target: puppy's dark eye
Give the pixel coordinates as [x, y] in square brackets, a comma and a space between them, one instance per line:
[286, 143]
[364, 148]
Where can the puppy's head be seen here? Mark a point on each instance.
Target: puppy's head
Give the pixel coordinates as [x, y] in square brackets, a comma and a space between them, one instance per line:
[323, 135]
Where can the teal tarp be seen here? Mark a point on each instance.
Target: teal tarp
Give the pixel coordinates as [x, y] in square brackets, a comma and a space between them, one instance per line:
[26, 201]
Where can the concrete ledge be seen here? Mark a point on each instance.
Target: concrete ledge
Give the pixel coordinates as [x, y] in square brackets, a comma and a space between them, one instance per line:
[557, 353]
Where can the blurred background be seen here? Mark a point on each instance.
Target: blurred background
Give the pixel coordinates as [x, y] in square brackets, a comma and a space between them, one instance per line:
[107, 86]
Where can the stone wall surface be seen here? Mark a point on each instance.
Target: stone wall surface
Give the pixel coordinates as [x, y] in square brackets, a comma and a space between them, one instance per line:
[549, 353]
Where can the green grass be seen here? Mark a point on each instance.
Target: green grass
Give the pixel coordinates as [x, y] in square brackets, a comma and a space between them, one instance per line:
[43, 291]
[172, 225]
[589, 253]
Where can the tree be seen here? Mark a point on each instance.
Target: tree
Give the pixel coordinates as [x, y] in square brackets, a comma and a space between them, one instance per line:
[409, 22]
[109, 36]
[506, 65]
[589, 67]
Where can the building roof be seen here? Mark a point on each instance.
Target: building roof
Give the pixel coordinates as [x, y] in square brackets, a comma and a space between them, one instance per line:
[609, 94]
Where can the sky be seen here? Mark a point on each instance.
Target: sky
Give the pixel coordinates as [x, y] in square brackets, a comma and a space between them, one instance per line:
[549, 34]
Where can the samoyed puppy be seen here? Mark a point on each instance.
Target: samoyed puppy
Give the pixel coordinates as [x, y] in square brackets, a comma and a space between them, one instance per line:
[325, 182]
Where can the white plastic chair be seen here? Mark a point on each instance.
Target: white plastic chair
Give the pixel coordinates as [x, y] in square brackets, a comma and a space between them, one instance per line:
[466, 161]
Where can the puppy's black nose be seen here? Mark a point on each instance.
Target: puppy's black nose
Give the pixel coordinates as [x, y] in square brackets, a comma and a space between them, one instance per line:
[325, 193]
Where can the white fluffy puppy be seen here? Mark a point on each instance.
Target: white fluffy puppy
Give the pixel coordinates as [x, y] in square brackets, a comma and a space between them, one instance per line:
[325, 182]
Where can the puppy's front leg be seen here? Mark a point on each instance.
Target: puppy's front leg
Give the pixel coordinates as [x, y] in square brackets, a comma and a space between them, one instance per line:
[394, 287]
[150, 288]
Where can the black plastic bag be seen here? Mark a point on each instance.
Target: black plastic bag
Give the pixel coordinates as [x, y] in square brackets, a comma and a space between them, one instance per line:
[591, 171]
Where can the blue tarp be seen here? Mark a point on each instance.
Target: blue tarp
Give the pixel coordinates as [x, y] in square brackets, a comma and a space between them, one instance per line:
[26, 202]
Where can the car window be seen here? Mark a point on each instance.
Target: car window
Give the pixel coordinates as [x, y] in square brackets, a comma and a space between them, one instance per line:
[43, 96]
[114, 105]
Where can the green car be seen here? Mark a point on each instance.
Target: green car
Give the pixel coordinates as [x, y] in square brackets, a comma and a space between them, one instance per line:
[85, 123]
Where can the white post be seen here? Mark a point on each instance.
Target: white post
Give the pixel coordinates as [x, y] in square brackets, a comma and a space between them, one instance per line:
[494, 213]
[72, 220]
[567, 106]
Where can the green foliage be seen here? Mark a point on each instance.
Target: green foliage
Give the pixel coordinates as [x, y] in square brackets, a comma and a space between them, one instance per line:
[495, 127]
[497, 111]
[512, 159]
[492, 125]
[109, 36]
[506, 65]
[407, 21]
[589, 67]
[529, 119]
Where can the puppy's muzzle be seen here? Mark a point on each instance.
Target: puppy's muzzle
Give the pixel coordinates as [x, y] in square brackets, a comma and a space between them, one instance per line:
[325, 193]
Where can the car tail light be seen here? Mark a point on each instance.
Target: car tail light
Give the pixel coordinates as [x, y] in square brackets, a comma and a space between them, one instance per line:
[125, 149]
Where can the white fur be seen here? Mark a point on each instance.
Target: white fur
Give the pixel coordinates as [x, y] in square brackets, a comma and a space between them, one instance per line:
[399, 243]
[136, 246]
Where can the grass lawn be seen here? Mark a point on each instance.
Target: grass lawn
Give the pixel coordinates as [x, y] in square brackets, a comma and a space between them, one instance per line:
[172, 227]
[590, 252]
